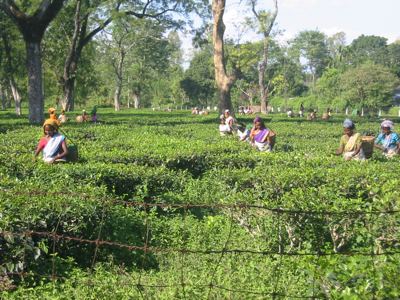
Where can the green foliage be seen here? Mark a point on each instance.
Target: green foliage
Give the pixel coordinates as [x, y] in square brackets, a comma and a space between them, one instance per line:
[368, 48]
[369, 86]
[311, 45]
[198, 81]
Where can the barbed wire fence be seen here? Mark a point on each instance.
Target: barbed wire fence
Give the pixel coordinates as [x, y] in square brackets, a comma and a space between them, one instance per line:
[278, 252]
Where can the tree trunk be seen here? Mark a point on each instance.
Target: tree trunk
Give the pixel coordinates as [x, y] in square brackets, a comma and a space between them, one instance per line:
[118, 88]
[17, 96]
[262, 65]
[263, 88]
[67, 101]
[223, 81]
[3, 98]
[35, 92]
[71, 61]
[117, 95]
[136, 100]
[224, 95]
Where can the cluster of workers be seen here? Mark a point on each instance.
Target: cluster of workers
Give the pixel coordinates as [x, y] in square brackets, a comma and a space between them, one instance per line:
[197, 111]
[54, 148]
[312, 115]
[352, 145]
[257, 134]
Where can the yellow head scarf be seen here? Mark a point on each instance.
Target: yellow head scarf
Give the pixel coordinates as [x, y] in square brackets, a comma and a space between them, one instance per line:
[52, 123]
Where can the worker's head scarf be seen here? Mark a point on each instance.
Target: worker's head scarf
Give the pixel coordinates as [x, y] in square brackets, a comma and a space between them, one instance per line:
[52, 123]
[349, 124]
[387, 124]
[259, 120]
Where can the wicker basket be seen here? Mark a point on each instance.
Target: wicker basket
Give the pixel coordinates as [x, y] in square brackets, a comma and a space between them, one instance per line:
[72, 155]
[367, 145]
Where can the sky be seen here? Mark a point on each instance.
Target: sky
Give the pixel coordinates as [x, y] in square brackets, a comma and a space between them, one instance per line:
[353, 17]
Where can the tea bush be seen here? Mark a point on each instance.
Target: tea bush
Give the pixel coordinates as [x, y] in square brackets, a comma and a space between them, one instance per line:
[160, 206]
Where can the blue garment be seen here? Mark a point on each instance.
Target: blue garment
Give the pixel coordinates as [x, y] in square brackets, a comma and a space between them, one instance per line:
[388, 141]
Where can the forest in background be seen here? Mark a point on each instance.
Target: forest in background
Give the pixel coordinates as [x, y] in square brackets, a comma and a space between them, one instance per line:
[120, 55]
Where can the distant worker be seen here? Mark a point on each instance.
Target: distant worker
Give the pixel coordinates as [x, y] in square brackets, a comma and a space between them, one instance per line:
[94, 114]
[350, 142]
[301, 110]
[290, 113]
[326, 115]
[229, 120]
[53, 116]
[262, 137]
[312, 115]
[223, 128]
[84, 117]
[388, 141]
[62, 118]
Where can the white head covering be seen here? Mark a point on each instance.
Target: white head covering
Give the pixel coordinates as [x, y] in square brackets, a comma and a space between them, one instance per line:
[387, 123]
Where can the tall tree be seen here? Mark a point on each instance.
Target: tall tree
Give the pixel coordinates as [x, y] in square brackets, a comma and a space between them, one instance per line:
[135, 53]
[266, 21]
[199, 81]
[85, 18]
[368, 48]
[394, 57]
[369, 85]
[32, 21]
[311, 46]
[336, 47]
[223, 80]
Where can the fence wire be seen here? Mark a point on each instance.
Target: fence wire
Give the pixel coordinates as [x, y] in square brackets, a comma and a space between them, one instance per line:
[278, 253]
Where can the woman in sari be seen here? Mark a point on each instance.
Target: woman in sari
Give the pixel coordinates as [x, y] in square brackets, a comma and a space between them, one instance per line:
[226, 123]
[62, 117]
[388, 141]
[52, 145]
[350, 142]
[53, 116]
[262, 137]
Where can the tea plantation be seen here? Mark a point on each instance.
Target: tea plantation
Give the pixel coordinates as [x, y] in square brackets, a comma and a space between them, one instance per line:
[159, 206]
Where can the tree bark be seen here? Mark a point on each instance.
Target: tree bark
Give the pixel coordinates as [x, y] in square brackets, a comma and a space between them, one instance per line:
[223, 81]
[118, 73]
[67, 101]
[35, 91]
[117, 95]
[16, 95]
[136, 100]
[3, 98]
